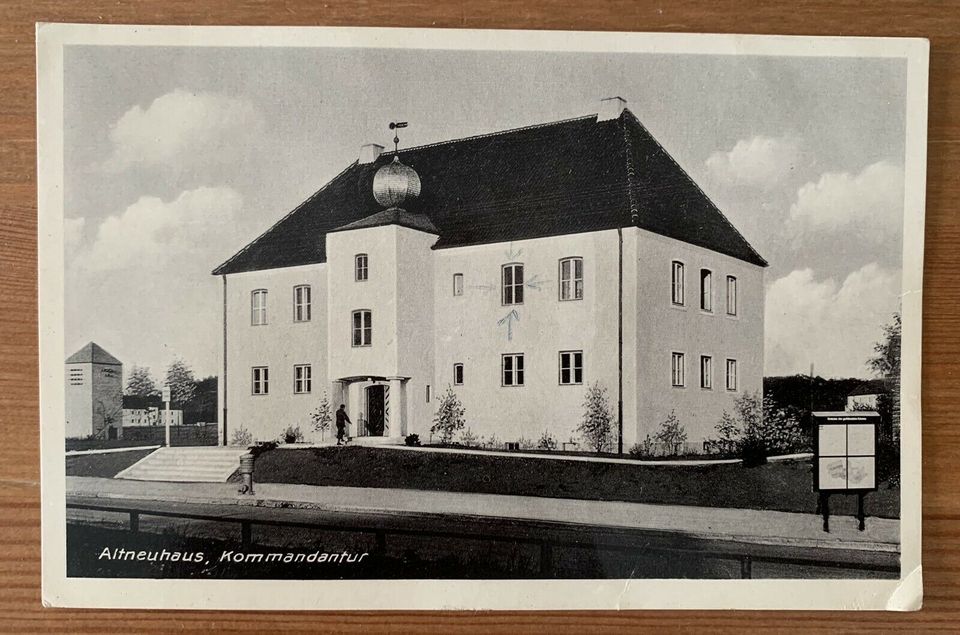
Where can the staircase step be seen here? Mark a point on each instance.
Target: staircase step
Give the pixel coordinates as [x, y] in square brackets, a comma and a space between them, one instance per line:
[196, 464]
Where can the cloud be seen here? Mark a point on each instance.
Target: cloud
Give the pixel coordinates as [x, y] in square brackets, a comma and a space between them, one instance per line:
[834, 326]
[152, 232]
[868, 205]
[73, 230]
[184, 129]
[760, 162]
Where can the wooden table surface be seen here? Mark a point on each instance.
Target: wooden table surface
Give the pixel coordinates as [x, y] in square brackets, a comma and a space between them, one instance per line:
[20, 609]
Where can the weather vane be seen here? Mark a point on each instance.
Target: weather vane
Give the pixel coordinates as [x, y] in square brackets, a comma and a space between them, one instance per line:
[396, 125]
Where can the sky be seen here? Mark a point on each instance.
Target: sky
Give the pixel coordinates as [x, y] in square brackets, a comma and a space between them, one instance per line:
[176, 157]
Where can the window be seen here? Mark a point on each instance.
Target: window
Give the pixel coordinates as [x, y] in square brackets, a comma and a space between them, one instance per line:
[731, 374]
[261, 376]
[458, 374]
[362, 327]
[258, 307]
[513, 284]
[302, 379]
[731, 295]
[76, 376]
[512, 369]
[571, 367]
[677, 283]
[706, 372]
[361, 270]
[427, 393]
[458, 284]
[676, 369]
[571, 279]
[706, 290]
[301, 303]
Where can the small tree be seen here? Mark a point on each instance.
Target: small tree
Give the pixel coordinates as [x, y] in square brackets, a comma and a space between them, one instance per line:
[140, 383]
[671, 434]
[322, 417]
[181, 382]
[449, 418]
[596, 426]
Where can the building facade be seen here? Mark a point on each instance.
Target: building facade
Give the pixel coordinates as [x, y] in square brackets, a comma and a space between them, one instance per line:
[517, 269]
[148, 411]
[94, 388]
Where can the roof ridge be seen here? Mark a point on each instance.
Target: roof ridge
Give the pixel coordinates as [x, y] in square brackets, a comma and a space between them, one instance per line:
[486, 135]
[696, 185]
[285, 217]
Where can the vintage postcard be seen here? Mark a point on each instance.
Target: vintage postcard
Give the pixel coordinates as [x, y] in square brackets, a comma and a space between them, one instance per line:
[341, 318]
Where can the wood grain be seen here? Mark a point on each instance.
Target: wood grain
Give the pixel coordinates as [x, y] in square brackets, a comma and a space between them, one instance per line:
[20, 609]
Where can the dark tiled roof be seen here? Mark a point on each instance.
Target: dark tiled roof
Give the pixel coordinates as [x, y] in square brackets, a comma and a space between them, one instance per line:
[567, 177]
[392, 216]
[93, 353]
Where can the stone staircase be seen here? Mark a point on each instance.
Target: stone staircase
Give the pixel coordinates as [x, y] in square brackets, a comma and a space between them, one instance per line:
[190, 464]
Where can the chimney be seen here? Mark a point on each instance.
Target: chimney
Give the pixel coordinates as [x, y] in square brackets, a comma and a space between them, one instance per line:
[369, 153]
[610, 108]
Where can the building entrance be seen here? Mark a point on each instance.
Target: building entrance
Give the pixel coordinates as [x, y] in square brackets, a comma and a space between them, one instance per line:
[375, 410]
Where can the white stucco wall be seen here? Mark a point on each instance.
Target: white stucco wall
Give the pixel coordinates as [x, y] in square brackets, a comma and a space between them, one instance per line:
[468, 332]
[79, 403]
[663, 328]
[280, 344]
[420, 330]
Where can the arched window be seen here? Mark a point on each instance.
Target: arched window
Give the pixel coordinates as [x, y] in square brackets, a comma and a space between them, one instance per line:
[676, 283]
[571, 279]
[512, 277]
[706, 290]
[258, 307]
[361, 268]
[362, 327]
[301, 303]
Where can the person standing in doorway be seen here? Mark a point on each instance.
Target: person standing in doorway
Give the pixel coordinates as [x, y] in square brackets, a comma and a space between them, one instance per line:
[342, 421]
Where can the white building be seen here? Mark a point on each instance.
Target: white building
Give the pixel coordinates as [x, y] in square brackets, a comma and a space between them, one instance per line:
[148, 411]
[517, 268]
[94, 386]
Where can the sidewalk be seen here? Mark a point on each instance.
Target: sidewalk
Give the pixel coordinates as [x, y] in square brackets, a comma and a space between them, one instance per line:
[743, 525]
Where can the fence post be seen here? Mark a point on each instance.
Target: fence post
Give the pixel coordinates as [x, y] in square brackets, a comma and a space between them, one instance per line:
[134, 522]
[746, 568]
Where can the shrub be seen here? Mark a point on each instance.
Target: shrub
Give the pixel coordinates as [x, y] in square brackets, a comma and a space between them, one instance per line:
[242, 437]
[672, 434]
[322, 417]
[261, 447]
[468, 438]
[412, 440]
[292, 435]
[760, 427]
[596, 426]
[494, 442]
[546, 442]
[449, 418]
[643, 449]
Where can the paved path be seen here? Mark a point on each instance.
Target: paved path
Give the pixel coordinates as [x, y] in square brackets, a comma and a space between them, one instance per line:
[746, 525]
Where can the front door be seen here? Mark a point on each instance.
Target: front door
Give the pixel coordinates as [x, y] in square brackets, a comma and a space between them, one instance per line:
[375, 404]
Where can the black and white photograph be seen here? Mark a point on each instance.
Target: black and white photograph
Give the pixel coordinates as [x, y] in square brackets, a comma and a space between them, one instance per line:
[400, 318]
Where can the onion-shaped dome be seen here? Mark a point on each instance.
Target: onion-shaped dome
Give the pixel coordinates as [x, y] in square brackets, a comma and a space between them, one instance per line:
[395, 183]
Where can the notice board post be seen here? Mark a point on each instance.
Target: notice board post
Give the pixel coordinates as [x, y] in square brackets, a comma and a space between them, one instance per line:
[844, 458]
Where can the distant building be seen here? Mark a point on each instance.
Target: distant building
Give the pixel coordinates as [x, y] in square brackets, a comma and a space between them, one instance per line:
[866, 395]
[147, 411]
[517, 268]
[94, 389]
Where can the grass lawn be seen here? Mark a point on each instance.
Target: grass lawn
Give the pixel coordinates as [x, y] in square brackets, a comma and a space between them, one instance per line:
[105, 465]
[784, 486]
